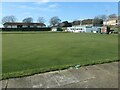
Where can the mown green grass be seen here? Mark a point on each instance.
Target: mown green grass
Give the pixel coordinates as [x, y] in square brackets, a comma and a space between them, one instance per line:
[28, 53]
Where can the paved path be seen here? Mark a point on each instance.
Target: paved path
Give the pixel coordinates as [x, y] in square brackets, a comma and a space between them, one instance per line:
[96, 76]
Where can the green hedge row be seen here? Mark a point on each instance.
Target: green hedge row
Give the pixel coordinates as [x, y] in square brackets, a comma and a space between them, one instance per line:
[26, 29]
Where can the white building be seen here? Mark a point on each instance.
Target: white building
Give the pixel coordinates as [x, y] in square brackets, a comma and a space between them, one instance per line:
[76, 29]
[54, 29]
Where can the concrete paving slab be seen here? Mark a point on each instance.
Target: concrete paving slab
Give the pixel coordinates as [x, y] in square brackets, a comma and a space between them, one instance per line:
[71, 85]
[65, 77]
[38, 81]
[97, 78]
[0, 85]
[115, 64]
[105, 82]
[51, 82]
[108, 67]
[81, 74]
[103, 78]
[20, 83]
[4, 83]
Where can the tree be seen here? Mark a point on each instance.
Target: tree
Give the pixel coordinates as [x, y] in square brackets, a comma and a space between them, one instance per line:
[87, 21]
[76, 22]
[103, 17]
[54, 21]
[41, 20]
[65, 24]
[119, 17]
[28, 20]
[112, 16]
[8, 19]
[97, 21]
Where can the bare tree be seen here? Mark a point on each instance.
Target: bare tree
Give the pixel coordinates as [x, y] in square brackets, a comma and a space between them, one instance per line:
[8, 19]
[103, 17]
[54, 21]
[97, 21]
[28, 20]
[41, 20]
[76, 22]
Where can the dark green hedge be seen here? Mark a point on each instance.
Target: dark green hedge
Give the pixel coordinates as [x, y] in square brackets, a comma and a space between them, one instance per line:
[26, 29]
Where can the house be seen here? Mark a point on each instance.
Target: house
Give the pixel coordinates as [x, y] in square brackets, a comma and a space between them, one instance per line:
[111, 21]
[23, 25]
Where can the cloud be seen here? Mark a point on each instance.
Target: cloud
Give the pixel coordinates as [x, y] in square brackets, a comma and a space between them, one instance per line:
[53, 6]
[39, 2]
[33, 8]
[45, 7]
[45, 1]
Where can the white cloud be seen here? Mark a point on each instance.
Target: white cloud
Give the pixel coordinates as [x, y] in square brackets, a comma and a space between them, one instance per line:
[40, 2]
[45, 1]
[46, 7]
[53, 6]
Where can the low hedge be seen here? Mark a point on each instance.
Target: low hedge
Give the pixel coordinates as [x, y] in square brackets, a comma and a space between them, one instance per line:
[26, 29]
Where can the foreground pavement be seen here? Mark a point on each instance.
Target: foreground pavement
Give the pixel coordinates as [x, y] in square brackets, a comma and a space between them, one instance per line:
[96, 76]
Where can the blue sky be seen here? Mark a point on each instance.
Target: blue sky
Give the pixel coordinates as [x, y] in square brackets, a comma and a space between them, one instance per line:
[64, 10]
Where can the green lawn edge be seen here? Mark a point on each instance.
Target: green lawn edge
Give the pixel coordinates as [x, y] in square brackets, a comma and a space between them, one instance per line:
[31, 72]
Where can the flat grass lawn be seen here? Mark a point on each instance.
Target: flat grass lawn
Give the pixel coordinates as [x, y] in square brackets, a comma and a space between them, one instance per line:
[30, 53]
